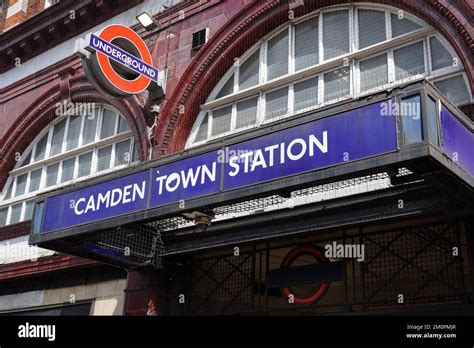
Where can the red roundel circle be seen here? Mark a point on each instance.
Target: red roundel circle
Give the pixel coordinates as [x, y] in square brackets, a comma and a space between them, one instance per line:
[140, 83]
[291, 257]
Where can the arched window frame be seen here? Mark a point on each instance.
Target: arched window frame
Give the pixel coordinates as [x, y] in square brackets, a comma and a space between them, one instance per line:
[27, 198]
[354, 57]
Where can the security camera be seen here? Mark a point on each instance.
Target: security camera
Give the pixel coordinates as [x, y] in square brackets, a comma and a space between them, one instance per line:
[155, 108]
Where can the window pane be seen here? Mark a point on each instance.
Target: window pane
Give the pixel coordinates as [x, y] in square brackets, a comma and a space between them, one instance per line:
[28, 210]
[411, 119]
[409, 61]
[68, 170]
[306, 44]
[440, 57]
[227, 89]
[20, 184]
[15, 213]
[335, 33]
[52, 174]
[27, 160]
[373, 72]
[136, 156]
[123, 125]
[246, 113]
[41, 148]
[72, 139]
[221, 120]
[336, 84]
[103, 158]
[248, 71]
[276, 103]
[454, 89]
[85, 162]
[8, 194]
[3, 216]
[108, 124]
[371, 27]
[35, 180]
[57, 138]
[202, 130]
[122, 153]
[306, 94]
[277, 58]
[433, 121]
[402, 26]
[90, 126]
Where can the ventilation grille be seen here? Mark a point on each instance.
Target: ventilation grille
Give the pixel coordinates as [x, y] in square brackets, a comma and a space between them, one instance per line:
[200, 38]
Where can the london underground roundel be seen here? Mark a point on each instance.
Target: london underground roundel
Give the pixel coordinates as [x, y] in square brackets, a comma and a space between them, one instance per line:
[117, 61]
[320, 289]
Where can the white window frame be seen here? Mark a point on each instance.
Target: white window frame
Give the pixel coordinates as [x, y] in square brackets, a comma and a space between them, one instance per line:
[423, 34]
[59, 159]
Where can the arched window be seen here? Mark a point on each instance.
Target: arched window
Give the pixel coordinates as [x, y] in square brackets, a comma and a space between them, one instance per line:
[325, 57]
[73, 148]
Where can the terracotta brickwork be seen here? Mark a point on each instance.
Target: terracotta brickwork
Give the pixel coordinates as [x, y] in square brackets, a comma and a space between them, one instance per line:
[33, 8]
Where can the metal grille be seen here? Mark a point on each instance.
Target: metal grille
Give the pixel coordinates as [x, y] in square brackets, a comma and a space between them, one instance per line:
[342, 188]
[132, 246]
[223, 285]
[417, 263]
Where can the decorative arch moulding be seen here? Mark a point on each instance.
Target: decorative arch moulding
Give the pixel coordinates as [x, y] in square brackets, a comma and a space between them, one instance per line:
[246, 28]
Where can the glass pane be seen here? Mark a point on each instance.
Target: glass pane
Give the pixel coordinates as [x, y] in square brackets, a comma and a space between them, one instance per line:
[103, 158]
[20, 184]
[90, 127]
[123, 125]
[277, 56]
[41, 148]
[202, 130]
[411, 119]
[68, 170]
[248, 71]
[108, 124]
[335, 34]
[306, 94]
[221, 120]
[122, 153]
[433, 121]
[15, 213]
[35, 180]
[402, 26]
[306, 44]
[276, 103]
[52, 174]
[336, 84]
[454, 89]
[227, 89]
[57, 138]
[8, 194]
[3, 216]
[28, 210]
[409, 61]
[27, 160]
[85, 162]
[440, 57]
[246, 113]
[371, 27]
[136, 156]
[373, 72]
[72, 139]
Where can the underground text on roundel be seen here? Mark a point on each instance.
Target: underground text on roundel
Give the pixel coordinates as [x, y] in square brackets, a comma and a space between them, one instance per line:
[318, 144]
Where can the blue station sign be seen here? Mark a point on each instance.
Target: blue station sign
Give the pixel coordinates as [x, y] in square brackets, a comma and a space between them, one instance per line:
[325, 142]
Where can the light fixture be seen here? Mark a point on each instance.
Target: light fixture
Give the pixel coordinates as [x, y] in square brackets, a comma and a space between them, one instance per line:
[147, 21]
